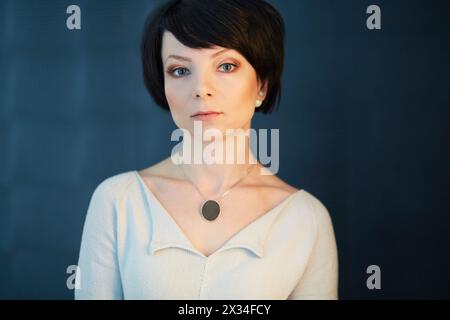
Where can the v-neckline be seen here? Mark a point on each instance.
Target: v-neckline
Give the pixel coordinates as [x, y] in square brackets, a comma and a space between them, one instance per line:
[149, 193]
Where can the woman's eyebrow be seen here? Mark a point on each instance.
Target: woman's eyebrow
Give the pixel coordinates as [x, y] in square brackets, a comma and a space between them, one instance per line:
[189, 60]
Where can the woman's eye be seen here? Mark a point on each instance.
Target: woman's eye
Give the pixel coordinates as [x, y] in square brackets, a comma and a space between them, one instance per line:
[181, 71]
[176, 73]
[229, 66]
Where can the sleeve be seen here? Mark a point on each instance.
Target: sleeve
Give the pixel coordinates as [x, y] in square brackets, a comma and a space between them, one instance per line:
[98, 275]
[320, 278]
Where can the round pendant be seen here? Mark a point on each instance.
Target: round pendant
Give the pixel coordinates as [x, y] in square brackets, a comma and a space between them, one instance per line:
[210, 210]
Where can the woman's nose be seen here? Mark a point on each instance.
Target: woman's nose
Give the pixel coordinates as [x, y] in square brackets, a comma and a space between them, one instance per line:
[203, 88]
[198, 94]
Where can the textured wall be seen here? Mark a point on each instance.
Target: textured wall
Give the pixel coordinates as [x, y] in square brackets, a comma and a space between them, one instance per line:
[363, 126]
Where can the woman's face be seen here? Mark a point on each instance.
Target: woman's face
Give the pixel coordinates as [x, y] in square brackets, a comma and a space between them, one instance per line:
[209, 80]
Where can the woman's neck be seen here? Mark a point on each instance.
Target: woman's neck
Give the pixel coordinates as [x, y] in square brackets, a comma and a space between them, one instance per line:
[216, 173]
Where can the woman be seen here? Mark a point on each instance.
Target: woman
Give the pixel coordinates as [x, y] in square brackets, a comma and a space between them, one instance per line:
[186, 230]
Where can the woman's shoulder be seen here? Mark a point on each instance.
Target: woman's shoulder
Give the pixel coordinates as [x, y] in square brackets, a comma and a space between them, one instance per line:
[101, 210]
[305, 204]
[309, 201]
[162, 168]
[114, 186]
[271, 186]
[300, 200]
[299, 196]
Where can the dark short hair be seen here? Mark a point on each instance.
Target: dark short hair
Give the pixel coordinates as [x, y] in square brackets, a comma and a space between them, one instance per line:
[252, 27]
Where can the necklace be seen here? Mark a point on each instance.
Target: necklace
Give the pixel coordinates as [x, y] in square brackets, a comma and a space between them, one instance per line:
[210, 209]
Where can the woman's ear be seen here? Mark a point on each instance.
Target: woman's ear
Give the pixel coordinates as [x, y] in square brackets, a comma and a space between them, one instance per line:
[261, 95]
[262, 92]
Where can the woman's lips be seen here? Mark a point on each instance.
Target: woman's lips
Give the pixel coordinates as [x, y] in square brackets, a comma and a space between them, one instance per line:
[206, 115]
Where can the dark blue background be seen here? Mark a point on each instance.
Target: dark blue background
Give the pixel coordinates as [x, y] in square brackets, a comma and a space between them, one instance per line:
[364, 126]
